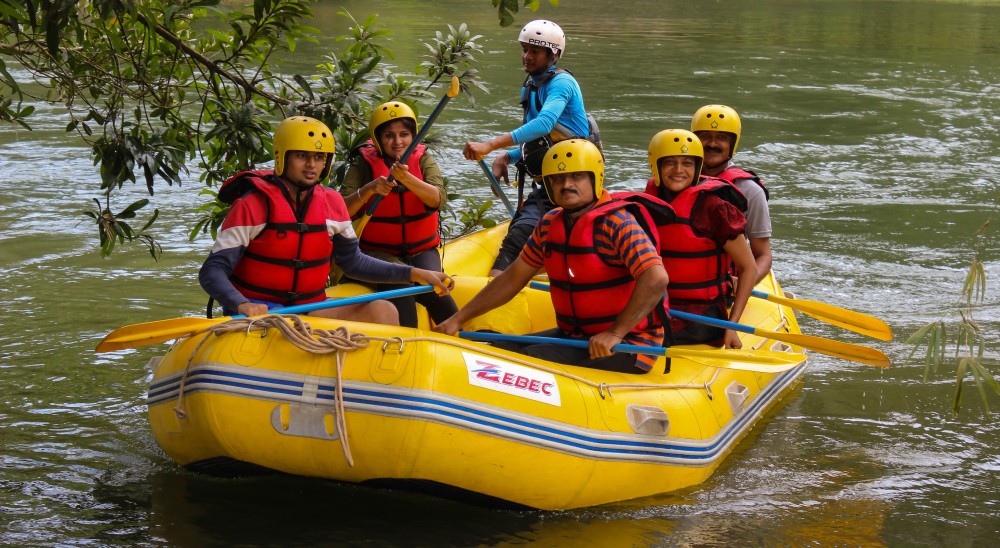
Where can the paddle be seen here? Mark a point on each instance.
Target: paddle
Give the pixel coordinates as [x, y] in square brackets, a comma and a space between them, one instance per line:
[847, 351]
[760, 361]
[359, 224]
[841, 317]
[495, 185]
[143, 334]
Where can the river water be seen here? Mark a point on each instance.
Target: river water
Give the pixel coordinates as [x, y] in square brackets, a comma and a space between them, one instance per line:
[875, 124]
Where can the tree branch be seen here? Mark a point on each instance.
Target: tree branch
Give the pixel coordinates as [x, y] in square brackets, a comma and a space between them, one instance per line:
[214, 68]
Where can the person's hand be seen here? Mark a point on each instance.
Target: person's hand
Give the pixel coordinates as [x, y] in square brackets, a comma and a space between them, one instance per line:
[381, 186]
[601, 343]
[400, 171]
[252, 309]
[448, 327]
[732, 339]
[476, 151]
[442, 282]
[500, 164]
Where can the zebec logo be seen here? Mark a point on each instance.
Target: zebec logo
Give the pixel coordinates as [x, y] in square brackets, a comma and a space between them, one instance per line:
[513, 379]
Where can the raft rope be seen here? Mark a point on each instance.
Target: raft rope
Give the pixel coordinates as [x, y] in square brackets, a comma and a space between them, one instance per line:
[302, 335]
[601, 387]
[341, 340]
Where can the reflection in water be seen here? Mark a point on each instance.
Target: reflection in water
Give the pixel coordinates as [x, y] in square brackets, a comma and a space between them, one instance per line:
[874, 123]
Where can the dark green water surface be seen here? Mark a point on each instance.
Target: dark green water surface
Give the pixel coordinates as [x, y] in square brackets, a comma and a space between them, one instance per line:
[874, 123]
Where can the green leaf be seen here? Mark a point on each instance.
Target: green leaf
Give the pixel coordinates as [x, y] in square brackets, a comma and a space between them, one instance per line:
[152, 219]
[135, 206]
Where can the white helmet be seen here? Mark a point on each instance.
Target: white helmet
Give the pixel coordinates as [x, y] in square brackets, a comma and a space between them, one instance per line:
[544, 33]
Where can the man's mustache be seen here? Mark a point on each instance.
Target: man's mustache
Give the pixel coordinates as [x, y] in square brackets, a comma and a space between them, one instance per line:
[714, 149]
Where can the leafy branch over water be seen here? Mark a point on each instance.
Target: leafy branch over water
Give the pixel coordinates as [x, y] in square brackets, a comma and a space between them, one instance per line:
[969, 339]
[152, 85]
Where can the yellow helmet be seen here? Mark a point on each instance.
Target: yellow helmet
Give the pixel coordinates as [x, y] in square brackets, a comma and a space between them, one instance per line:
[718, 118]
[675, 142]
[302, 133]
[388, 112]
[570, 156]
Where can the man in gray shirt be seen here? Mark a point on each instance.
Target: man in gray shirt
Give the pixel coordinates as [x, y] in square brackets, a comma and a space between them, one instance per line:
[719, 128]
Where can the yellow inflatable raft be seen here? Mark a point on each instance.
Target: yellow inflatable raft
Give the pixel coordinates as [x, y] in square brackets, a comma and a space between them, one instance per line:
[413, 409]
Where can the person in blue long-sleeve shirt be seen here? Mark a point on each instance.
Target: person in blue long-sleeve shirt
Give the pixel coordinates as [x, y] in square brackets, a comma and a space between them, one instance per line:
[553, 111]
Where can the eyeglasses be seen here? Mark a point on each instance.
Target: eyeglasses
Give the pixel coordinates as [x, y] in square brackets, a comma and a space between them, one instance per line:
[305, 157]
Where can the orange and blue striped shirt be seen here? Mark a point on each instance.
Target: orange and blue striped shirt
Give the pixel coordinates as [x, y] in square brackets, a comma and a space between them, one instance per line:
[620, 240]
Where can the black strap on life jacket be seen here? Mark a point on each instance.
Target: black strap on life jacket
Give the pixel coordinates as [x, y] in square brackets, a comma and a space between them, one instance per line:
[530, 87]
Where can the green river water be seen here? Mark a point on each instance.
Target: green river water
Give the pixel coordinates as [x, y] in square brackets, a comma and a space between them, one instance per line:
[876, 126]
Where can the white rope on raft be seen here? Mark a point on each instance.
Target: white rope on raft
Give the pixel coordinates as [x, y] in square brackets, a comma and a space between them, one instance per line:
[341, 340]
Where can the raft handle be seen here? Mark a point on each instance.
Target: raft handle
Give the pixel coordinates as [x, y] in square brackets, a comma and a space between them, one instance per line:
[385, 345]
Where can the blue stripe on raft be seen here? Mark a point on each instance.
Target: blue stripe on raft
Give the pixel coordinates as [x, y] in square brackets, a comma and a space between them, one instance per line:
[456, 413]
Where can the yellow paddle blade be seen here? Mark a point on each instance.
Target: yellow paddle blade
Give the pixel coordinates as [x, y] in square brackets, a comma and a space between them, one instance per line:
[454, 88]
[142, 334]
[830, 347]
[835, 315]
[758, 361]
[360, 222]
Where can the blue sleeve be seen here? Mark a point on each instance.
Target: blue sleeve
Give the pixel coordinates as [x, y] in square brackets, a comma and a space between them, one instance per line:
[562, 102]
[359, 266]
[214, 277]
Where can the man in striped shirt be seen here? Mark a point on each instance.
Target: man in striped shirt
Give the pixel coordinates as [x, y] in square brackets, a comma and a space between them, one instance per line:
[606, 276]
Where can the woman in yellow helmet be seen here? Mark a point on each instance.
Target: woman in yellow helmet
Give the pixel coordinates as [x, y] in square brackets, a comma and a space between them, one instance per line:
[404, 227]
[697, 249]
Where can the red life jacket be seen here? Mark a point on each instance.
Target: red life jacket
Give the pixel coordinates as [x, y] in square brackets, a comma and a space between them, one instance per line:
[401, 224]
[289, 261]
[697, 267]
[732, 173]
[588, 293]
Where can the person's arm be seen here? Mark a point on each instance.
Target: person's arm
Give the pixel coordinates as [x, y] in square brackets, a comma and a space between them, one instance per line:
[360, 266]
[636, 252]
[496, 293]
[511, 280]
[558, 94]
[430, 194]
[477, 151]
[758, 229]
[356, 191]
[725, 224]
[239, 227]
[760, 248]
[648, 293]
[557, 97]
[214, 277]
[739, 252]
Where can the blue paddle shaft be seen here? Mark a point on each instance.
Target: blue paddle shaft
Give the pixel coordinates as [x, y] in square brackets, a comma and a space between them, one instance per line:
[334, 303]
[576, 343]
[496, 187]
[715, 322]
